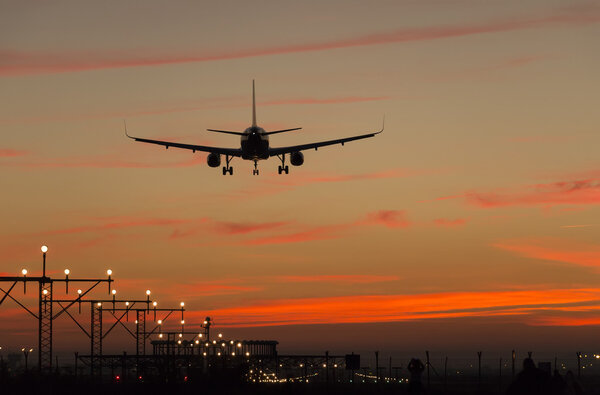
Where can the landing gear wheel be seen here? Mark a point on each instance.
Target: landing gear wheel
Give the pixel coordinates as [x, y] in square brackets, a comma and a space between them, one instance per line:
[283, 167]
[228, 170]
[255, 172]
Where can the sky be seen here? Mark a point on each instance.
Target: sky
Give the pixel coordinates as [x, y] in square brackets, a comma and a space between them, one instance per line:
[472, 222]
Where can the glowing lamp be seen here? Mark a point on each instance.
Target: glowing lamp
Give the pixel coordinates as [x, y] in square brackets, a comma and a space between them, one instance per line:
[109, 272]
[44, 249]
[24, 272]
[114, 291]
[67, 271]
[148, 292]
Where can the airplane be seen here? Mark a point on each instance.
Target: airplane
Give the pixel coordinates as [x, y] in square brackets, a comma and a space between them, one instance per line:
[254, 146]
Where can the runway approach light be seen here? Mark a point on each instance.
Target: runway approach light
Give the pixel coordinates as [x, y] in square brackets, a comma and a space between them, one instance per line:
[159, 322]
[182, 304]
[44, 249]
[148, 292]
[24, 271]
[154, 304]
[67, 271]
[114, 291]
[109, 272]
[79, 291]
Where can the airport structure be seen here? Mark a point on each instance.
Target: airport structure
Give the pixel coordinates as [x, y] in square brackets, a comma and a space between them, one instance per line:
[174, 355]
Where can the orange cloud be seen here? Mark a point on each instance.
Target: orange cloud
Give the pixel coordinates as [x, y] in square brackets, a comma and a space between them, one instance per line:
[389, 308]
[120, 223]
[22, 63]
[565, 321]
[554, 250]
[449, 222]
[10, 153]
[338, 278]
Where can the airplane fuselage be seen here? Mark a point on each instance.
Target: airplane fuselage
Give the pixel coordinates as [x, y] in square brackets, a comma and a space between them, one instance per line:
[255, 144]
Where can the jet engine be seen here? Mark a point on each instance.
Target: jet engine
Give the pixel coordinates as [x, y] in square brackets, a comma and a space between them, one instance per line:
[297, 158]
[213, 160]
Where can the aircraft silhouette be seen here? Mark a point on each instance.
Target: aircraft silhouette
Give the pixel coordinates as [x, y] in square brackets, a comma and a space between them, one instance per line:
[254, 146]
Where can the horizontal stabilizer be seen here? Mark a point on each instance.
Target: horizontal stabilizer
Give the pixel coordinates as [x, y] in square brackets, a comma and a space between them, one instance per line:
[281, 131]
[226, 131]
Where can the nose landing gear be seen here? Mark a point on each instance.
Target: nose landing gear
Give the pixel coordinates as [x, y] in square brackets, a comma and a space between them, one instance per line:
[255, 171]
[283, 168]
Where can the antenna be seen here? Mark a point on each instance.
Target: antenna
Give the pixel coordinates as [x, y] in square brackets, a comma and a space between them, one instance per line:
[253, 106]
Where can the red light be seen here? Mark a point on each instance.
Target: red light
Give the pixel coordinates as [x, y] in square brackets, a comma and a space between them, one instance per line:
[185, 378]
[118, 377]
[140, 377]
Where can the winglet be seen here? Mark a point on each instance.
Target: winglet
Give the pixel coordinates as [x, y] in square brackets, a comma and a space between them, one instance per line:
[382, 125]
[126, 134]
[253, 106]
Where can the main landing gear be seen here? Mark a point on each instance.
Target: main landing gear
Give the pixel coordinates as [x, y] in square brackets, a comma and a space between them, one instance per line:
[227, 168]
[255, 171]
[282, 168]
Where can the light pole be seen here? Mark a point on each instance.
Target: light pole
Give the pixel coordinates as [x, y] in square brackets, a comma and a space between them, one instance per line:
[44, 251]
[26, 352]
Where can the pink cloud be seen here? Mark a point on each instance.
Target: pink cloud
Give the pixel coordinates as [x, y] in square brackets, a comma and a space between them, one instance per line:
[552, 194]
[121, 223]
[389, 218]
[449, 222]
[107, 163]
[22, 63]
[312, 234]
[335, 100]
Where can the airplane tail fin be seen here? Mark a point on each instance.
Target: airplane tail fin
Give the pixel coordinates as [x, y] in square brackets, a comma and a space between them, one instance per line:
[253, 106]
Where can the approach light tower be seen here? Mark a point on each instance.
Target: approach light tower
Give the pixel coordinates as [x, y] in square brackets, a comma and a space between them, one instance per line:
[45, 315]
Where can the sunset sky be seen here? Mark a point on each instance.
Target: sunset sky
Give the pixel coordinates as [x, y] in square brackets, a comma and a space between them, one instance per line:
[478, 205]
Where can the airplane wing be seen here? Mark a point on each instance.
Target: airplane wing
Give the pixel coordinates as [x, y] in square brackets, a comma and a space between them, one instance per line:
[296, 148]
[194, 148]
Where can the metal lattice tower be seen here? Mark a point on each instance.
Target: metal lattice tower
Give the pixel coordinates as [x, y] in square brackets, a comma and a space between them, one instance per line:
[45, 327]
[140, 332]
[96, 337]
